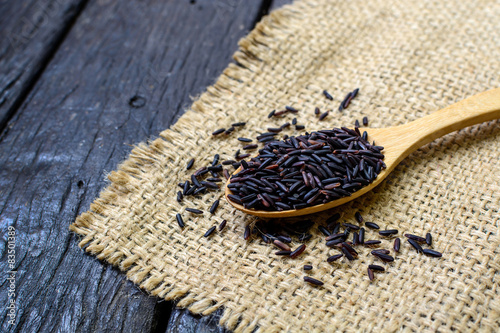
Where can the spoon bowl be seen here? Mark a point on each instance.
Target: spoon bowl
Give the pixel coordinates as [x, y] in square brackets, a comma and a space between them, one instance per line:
[400, 141]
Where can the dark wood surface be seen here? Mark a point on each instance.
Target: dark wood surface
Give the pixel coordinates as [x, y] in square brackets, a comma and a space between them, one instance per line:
[89, 82]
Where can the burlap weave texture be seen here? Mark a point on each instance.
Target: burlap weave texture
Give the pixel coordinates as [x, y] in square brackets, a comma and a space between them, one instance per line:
[409, 58]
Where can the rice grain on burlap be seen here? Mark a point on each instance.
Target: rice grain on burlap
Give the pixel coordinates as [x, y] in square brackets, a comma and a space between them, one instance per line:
[409, 58]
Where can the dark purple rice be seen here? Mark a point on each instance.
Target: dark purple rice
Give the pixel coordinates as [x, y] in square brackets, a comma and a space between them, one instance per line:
[356, 123]
[307, 267]
[281, 245]
[298, 251]
[294, 121]
[226, 174]
[313, 281]
[415, 245]
[355, 238]
[190, 164]
[432, 253]
[365, 121]
[383, 251]
[376, 268]
[238, 124]
[351, 226]
[359, 218]
[334, 257]
[245, 140]
[209, 231]
[383, 257]
[214, 180]
[324, 115]
[372, 225]
[247, 233]
[179, 196]
[397, 244]
[283, 253]
[194, 210]
[317, 111]
[324, 230]
[229, 130]
[299, 127]
[250, 147]
[347, 254]
[271, 114]
[242, 156]
[180, 221]
[327, 95]
[222, 225]
[349, 248]
[388, 232]
[372, 242]
[214, 206]
[361, 239]
[291, 109]
[370, 274]
[428, 239]
[228, 162]
[215, 160]
[274, 129]
[219, 131]
[303, 171]
[415, 238]
[286, 125]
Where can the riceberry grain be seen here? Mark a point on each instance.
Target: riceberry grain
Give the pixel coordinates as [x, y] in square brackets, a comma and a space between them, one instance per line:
[298, 251]
[317, 111]
[294, 121]
[299, 127]
[356, 123]
[415, 238]
[179, 196]
[291, 109]
[246, 233]
[428, 239]
[190, 164]
[238, 124]
[222, 225]
[372, 242]
[415, 245]
[219, 131]
[376, 268]
[397, 244]
[327, 95]
[214, 206]
[323, 115]
[351, 226]
[358, 217]
[334, 257]
[388, 232]
[244, 140]
[281, 245]
[209, 231]
[432, 253]
[283, 253]
[370, 274]
[180, 221]
[194, 210]
[365, 121]
[361, 239]
[250, 147]
[307, 267]
[271, 114]
[372, 225]
[313, 281]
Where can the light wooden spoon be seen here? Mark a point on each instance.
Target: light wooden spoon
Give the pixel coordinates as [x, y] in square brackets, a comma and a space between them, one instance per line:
[400, 141]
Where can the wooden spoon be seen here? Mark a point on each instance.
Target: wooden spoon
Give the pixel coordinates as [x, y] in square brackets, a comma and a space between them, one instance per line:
[400, 141]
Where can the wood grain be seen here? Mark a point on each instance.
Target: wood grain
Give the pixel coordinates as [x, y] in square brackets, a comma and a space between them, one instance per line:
[32, 30]
[125, 71]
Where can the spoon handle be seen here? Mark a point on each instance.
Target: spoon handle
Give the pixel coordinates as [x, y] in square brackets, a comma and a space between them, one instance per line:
[473, 110]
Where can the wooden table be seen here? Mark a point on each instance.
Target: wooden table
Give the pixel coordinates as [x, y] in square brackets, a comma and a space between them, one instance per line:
[80, 83]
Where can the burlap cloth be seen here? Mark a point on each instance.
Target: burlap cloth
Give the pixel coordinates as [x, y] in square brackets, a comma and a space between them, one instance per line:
[409, 58]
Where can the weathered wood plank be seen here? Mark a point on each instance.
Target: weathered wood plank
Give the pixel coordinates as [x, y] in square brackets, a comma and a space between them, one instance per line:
[31, 32]
[123, 74]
